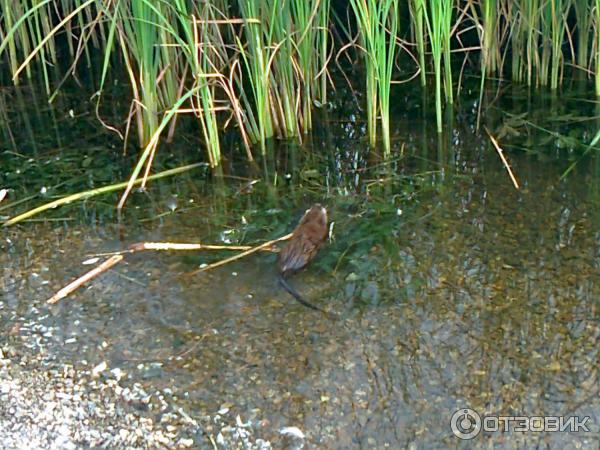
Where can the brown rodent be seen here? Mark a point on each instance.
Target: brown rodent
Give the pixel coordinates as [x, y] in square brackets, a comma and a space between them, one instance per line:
[302, 247]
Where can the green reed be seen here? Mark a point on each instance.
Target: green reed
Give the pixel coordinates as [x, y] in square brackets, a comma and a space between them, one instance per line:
[150, 148]
[538, 36]
[80, 31]
[309, 41]
[264, 63]
[204, 53]
[530, 10]
[30, 32]
[512, 14]
[552, 23]
[256, 54]
[39, 27]
[525, 35]
[139, 36]
[417, 9]
[378, 23]
[15, 35]
[520, 56]
[284, 53]
[322, 49]
[284, 81]
[597, 42]
[584, 24]
[558, 17]
[490, 38]
[303, 45]
[24, 29]
[439, 25]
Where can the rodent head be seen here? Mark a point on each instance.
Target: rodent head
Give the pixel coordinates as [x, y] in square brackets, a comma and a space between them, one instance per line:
[316, 213]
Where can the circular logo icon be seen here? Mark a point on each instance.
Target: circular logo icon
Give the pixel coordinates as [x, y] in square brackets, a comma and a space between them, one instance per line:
[465, 423]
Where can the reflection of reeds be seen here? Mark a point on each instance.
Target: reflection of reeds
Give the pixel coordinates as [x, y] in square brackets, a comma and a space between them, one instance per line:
[262, 64]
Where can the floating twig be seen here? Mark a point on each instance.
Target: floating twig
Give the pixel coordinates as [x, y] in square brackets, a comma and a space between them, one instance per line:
[240, 255]
[504, 161]
[140, 246]
[162, 246]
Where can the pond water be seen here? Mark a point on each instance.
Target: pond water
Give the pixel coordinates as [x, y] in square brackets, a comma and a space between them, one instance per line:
[452, 289]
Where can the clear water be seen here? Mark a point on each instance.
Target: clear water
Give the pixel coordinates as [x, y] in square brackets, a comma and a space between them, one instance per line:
[453, 288]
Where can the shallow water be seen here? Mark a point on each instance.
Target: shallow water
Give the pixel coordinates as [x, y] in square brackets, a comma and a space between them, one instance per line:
[453, 290]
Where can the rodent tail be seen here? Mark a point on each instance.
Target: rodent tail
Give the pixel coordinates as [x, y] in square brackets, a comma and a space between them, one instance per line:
[295, 294]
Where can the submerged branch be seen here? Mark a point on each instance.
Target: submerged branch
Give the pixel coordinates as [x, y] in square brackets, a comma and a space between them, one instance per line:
[76, 284]
[503, 158]
[117, 257]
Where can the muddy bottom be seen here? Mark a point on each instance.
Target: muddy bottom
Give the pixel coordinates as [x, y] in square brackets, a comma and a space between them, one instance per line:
[478, 297]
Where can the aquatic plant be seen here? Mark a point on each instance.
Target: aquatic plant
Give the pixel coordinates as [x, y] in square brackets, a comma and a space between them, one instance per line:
[417, 9]
[262, 65]
[583, 24]
[378, 22]
[597, 42]
[438, 16]
[489, 39]
[284, 53]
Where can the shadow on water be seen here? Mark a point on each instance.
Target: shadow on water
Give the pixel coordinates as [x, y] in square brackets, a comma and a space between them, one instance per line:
[454, 289]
